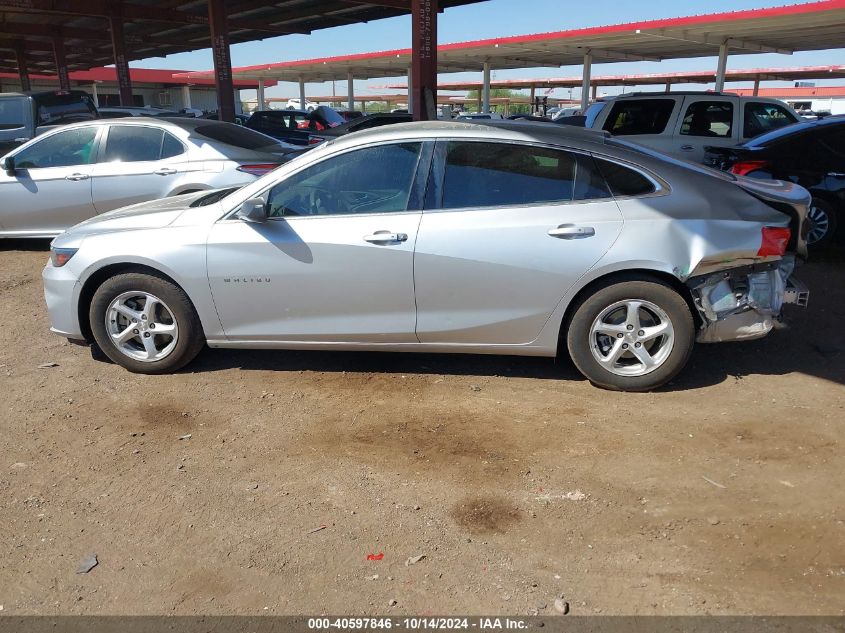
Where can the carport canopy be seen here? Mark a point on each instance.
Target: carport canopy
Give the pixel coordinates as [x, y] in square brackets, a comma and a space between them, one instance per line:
[783, 29]
[49, 37]
[800, 73]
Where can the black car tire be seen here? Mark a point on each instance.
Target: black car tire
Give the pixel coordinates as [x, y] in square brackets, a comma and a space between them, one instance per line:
[190, 338]
[580, 337]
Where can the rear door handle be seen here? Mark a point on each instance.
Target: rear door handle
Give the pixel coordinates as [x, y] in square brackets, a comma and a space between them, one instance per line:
[385, 237]
[571, 232]
[77, 176]
[687, 148]
[836, 174]
[164, 171]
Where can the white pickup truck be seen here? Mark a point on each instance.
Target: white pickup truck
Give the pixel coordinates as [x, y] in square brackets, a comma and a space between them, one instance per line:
[684, 123]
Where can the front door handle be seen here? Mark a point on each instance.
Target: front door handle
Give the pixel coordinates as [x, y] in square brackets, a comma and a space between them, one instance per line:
[77, 176]
[164, 171]
[836, 174]
[385, 237]
[572, 232]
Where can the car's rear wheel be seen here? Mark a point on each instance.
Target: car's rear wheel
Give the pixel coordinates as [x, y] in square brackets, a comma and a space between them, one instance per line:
[822, 217]
[145, 323]
[631, 335]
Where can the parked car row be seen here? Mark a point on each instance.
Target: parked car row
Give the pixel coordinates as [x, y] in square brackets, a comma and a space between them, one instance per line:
[74, 172]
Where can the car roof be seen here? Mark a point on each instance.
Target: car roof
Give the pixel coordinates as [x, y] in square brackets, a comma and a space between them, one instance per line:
[800, 127]
[493, 129]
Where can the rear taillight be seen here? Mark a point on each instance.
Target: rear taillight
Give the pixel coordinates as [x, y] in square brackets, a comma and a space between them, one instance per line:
[315, 140]
[745, 167]
[258, 169]
[774, 242]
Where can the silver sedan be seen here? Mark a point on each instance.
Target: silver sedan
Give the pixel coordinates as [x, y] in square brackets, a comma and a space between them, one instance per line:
[496, 238]
[77, 171]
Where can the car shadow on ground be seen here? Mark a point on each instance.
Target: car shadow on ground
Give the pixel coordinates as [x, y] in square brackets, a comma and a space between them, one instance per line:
[710, 364]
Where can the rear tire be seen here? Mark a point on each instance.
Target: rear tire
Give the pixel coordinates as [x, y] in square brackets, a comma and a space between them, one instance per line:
[631, 335]
[145, 323]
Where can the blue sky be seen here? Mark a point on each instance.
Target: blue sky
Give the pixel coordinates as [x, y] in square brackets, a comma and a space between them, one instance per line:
[495, 18]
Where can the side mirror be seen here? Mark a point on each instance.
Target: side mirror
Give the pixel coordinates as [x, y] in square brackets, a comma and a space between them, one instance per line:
[9, 165]
[253, 210]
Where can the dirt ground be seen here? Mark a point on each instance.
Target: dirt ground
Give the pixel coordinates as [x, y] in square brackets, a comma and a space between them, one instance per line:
[515, 478]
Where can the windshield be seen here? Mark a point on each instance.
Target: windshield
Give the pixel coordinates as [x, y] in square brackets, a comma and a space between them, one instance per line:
[330, 116]
[64, 108]
[593, 112]
[235, 135]
[13, 113]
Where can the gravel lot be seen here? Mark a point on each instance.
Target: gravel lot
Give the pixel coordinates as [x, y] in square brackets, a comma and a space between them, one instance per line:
[516, 479]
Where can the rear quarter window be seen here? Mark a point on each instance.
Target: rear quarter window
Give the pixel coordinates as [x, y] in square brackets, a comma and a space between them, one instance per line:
[624, 181]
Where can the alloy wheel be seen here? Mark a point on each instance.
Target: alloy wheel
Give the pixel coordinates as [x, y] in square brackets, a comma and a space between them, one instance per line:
[632, 337]
[819, 224]
[141, 326]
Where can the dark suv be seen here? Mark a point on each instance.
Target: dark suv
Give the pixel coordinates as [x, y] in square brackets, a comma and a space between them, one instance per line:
[24, 115]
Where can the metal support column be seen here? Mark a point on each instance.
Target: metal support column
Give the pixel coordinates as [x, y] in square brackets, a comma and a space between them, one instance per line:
[186, 96]
[23, 72]
[121, 64]
[222, 60]
[94, 95]
[757, 86]
[722, 67]
[668, 86]
[585, 80]
[595, 91]
[410, 88]
[61, 63]
[350, 91]
[259, 95]
[424, 59]
[302, 100]
[533, 95]
[485, 89]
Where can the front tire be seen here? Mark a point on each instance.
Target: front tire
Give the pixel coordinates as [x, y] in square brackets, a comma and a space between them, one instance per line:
[631, 335]
[145, 323]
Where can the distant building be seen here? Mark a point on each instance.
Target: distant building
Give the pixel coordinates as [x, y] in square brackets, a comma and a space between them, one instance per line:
[817, 99]
[150, 87]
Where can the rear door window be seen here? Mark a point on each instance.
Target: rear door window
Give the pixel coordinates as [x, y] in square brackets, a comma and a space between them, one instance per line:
[135, 143]
[639, 116]
[708, 118]
[479, 174]
[765, 117]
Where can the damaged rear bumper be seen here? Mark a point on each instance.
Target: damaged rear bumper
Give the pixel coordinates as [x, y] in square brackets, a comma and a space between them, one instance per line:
[745, 303]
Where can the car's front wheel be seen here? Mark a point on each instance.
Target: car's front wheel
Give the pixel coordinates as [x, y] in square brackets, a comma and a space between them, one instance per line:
[145, 323]
[631, 335]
